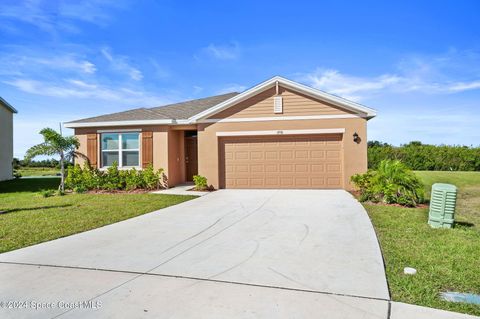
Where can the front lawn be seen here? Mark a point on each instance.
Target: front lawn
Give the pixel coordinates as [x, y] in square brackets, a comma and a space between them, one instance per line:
[29, 218]
[446, 259]
[38, 171]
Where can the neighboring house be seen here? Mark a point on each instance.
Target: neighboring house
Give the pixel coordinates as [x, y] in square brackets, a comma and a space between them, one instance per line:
[278, 134]
[6, 139]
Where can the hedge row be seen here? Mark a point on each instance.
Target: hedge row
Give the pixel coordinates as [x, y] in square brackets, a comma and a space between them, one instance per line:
[418, 156]
[87, 178]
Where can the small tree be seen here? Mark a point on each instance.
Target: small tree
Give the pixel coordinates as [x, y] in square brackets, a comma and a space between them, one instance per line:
[56, 144]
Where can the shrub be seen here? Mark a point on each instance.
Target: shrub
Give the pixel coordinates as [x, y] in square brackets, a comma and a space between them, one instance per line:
[16, 174]
[79, 189]
[46, 193]
[151, 179]
[91, 178]
[74, 177]
[81, 180]
[133, 179]
[112, 179]
[391, 183]
[420, 156]
[201, 183]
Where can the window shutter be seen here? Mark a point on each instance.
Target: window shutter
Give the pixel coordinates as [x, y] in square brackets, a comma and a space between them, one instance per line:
[147, 148]
[92, 147]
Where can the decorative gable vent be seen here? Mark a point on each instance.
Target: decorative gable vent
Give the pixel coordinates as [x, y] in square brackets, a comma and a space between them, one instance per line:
[277, 104]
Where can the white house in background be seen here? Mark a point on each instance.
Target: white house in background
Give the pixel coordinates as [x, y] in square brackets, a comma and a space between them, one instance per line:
[6, 139]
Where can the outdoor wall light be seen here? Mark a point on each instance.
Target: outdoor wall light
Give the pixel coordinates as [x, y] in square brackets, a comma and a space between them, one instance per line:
[356, 138]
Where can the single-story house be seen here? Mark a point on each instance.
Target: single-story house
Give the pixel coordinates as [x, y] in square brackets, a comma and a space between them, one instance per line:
[277, 134]
[6, 139]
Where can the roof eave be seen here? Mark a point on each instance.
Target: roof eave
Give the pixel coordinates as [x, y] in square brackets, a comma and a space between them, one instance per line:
[8, 105]
[118, 123]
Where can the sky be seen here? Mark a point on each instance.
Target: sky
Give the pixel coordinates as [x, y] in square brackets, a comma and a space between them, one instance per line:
[416, 62]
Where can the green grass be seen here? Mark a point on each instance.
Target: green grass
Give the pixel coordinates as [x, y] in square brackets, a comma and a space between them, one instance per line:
[446, 259]
[38, 171]
[30, 219]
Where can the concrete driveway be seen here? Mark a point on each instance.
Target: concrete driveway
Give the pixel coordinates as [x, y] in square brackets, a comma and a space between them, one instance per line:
[230, 254]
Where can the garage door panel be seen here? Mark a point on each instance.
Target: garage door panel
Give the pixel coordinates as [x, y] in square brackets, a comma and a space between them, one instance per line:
[257, 182]
[286, 182]
[228, 155]
[286, 155]
[271, 168]
[317, 154]
[301, 154]
[301, 168]
[241, 168]
[271, 182]
[286, 168]
[334, 168]
[332, 154]
[271, 155]
[333, 181]
[257, 168]
[256, 155]
[317, 168]
[282, 162]
[318, 182]
[302, 182]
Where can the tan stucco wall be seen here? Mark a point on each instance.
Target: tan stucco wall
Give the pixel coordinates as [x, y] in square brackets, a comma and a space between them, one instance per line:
[6, 143]
[355, 155]
[166, 148]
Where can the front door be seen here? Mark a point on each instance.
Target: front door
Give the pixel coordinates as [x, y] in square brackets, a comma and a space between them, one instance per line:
[191, 157]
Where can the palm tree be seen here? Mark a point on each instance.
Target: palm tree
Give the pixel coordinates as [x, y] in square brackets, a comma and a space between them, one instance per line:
[56, 144]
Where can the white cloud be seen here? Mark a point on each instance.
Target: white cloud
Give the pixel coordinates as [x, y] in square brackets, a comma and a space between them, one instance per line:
[197, 89]
[460, 86]
[223, 52]
[358, 88]
[68, 62]
[231, 88]
[120, 64]
[61, 15]
[450, 73]
[348, 86]
[20, 62]
[78, 89]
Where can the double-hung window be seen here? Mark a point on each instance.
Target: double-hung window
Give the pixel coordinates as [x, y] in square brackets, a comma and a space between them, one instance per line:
[123, 148]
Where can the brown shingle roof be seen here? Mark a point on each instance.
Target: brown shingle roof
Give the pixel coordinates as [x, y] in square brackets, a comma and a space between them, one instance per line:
[177, 111]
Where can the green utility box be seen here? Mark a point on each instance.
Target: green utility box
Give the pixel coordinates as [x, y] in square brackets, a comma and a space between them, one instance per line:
[442, 205]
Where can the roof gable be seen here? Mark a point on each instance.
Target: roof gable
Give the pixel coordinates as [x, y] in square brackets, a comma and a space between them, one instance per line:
[321, 95]
[294, 103]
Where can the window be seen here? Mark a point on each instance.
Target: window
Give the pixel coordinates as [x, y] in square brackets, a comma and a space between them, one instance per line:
[123, 148]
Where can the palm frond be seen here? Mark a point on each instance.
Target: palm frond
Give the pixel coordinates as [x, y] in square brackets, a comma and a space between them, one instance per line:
[40, 149]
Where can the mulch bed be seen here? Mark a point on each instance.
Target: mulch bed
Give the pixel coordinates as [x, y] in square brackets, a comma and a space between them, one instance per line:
[356, 194]
[201, 190]
[135, 191]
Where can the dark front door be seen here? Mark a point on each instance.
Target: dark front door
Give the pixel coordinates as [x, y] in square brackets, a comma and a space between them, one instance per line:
[191, 157]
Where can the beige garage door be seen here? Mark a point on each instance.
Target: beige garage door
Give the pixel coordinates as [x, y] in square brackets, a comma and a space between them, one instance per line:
[312, 161]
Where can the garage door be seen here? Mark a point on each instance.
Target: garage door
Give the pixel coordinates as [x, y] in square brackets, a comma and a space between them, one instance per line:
[304, 161]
